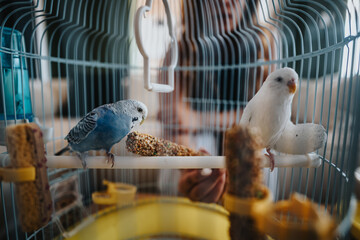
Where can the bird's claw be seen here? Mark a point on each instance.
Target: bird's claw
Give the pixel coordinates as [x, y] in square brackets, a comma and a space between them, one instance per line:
[271, 158]
[111, 158]
[82, 157]
[83, 162]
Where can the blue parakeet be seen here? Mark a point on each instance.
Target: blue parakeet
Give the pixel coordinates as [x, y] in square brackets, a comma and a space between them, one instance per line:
[103, 127]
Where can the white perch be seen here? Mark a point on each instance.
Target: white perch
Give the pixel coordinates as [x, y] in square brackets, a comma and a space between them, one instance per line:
[310, 160]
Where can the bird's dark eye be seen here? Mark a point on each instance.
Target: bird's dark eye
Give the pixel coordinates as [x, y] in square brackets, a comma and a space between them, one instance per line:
[140, 110]
[279, 79]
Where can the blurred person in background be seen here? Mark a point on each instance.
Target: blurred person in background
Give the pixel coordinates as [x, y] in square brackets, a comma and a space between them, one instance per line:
[212, 86]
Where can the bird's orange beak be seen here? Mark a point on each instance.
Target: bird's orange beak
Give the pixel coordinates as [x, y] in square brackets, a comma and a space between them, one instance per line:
[292, 86]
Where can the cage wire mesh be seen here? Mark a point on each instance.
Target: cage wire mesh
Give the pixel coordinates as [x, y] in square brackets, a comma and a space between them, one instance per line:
[60, 59]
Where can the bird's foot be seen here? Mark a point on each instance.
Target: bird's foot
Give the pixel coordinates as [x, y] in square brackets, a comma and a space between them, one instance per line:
[82, 157]
[271, 158]
[83, 162]
[111, 158]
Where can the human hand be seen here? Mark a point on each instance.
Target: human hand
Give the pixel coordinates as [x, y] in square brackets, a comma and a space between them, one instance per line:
[199, 185]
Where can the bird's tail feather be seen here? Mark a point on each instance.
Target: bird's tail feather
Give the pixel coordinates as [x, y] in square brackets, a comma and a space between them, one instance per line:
[65, 149]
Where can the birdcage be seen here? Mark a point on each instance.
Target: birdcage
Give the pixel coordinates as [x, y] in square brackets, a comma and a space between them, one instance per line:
[195, 64]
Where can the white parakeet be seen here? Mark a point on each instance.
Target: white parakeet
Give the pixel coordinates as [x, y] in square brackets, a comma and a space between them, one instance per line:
[270, 111]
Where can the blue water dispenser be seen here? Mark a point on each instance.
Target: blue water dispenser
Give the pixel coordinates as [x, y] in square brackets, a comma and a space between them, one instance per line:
[15, 96]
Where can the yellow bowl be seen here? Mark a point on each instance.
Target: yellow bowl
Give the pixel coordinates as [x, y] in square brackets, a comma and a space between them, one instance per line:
[160, 216]
[355, 229]
[117, 193]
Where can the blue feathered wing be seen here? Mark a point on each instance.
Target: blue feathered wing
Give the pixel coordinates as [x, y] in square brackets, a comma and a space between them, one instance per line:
[83, 128]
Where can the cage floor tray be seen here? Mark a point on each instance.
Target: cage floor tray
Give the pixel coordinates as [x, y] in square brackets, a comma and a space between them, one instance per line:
[159, 218]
